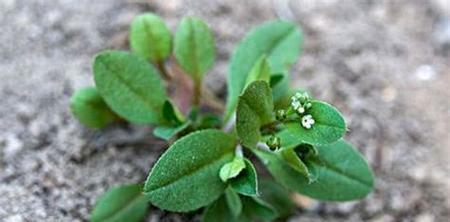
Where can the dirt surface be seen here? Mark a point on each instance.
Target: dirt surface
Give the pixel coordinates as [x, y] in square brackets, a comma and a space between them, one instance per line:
[384, 64]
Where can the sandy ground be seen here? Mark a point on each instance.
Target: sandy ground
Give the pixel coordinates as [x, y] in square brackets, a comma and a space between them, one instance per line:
[385, 64]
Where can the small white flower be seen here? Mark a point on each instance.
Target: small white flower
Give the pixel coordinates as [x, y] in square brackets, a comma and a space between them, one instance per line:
[295, 104]
[301, 109]
[302, 96]
[307, 121]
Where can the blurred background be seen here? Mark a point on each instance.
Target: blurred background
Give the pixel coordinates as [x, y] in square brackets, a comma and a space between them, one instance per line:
[384, 64]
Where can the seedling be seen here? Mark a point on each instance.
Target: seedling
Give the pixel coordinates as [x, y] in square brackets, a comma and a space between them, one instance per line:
[210, 160]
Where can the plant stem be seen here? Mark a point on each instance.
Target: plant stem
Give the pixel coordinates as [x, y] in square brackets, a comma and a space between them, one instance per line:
[210, 100]
[197, 92]
[270, 127]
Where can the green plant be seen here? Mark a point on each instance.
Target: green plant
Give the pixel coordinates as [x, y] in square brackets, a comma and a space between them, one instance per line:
[209, 162]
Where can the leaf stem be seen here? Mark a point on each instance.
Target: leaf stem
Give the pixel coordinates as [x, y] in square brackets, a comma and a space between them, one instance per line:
[197, 92]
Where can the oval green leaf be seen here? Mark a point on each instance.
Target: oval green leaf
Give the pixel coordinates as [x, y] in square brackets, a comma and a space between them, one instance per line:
[219, 211]
[232, 169]
[255, 109]
[260, 71]
[246, 183]
[90, 109]
[233, 201]
[130, 86]
[294, 161]
[124, 203]
[150, 37]
[168, 132]
[186, 176]
[329, 127]
[256, 209]
[278, 197]
[341, 173]
[279, 40]
[194, 47]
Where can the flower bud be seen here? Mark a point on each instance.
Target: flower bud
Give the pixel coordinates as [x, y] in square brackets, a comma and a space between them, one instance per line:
[274, 142]
[280, 115]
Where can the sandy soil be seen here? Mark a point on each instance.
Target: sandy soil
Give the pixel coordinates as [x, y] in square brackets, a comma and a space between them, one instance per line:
[385, 64]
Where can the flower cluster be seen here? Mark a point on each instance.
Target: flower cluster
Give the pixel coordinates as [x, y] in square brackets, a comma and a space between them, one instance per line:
[300, 102]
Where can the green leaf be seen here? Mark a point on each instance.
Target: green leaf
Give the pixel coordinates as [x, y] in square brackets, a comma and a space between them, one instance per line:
[168, 132]
[209, 120]
[186, 176]
[257, 209]
[150, 37]
[260, 71]
[282, 88]
[246, 183]
[90, 109]
[328, 128]
[253, 209]
[232, 169]
[233, 201]
[285, 100]
[194, 47]
[124, 203]
[275, 79]
[172, 114]
[294, 161]
[219, 211]
[341, 173]
[279, 40]
[130, 86]
[255, 109]
[278, 197]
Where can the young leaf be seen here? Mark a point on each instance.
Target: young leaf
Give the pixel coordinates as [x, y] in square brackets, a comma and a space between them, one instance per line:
[232, 169]
[294, 161]
[186, 176]
[278, 197]
[329, 127]
[194, 47]
[130, 86]
[341, 173]
[89, 108]
[255, 109]
[246, 183]
[233, 201]
[168, 132]
[260, 71]
[150, 37]
[278, 40]
[124, 203]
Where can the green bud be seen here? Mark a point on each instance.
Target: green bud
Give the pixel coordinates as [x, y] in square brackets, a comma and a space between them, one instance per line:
[274, 142]
[280, 115]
